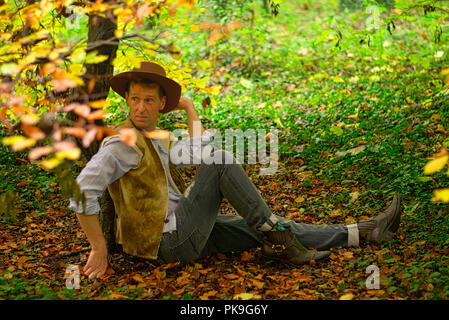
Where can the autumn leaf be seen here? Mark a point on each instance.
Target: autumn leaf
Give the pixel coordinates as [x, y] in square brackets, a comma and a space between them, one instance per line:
[72, 154]
[62, 84]
[18, 143]
[38, 152]
[348, 296]
[50, 164]
[436, 165]
[97, 104]
[64, 145]
[128, 136]
[74, 131]
[29, 119]
[89, 137]
[158, 134]
[33, 132]
[209, 294]
[138, 278]
[96, 115]
[441, 195]
[194, 27]
[246, 296]
[82, 110]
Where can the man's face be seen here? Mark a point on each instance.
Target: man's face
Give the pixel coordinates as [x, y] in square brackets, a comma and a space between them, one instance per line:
[144, 105]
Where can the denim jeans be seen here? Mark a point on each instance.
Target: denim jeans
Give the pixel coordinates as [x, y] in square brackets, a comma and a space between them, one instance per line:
[202, 231]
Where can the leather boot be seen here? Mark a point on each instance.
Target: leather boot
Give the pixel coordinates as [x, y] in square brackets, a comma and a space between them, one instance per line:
[385, 224]
[283, 245]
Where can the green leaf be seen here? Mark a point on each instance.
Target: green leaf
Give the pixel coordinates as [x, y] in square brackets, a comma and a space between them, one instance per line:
[337, 130]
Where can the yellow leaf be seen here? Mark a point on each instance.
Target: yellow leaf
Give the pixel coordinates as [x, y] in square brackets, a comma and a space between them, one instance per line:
[445, 72]
[216, 90]
[204, 64]
[348, 296]
[194, 27]
[436, 165]
[118, 33]
[246, 296]
[11, 140]
[76, 68]
[50, 164]
[441, 195]
[114, 296]
[138, 278]
[72, 154]
[96, 59]
[18, 143]
[97, 104]
[299, 199]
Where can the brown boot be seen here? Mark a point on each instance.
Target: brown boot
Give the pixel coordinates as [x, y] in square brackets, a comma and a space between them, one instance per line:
[283, 245]
[384, 225]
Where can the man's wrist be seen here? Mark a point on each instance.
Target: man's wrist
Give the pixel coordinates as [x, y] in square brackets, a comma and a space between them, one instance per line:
[99, 247]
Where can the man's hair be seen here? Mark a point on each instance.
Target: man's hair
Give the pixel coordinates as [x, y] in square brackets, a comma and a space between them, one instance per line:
[148, 83]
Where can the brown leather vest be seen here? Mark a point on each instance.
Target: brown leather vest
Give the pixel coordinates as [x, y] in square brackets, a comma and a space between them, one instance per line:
[140, 199]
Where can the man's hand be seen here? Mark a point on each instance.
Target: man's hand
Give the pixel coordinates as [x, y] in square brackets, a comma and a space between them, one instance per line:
[96, 264]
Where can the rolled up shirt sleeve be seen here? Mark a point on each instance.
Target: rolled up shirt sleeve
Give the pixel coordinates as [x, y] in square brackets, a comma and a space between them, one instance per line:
[111, 162]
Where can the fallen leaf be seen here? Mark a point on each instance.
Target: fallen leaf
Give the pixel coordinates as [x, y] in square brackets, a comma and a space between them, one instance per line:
[348, 296]
[246, 296]
[207, 295]
[435, 165]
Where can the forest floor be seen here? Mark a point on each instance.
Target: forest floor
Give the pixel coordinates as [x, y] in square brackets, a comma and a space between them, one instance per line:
[37, 251]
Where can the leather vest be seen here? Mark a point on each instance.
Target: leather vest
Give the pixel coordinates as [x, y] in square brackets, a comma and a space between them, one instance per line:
[141, 197]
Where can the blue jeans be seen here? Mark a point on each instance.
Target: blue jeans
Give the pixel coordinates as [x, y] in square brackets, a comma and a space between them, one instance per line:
[202, 231]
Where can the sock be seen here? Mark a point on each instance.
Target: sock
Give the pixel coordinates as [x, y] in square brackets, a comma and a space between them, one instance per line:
[278, 227]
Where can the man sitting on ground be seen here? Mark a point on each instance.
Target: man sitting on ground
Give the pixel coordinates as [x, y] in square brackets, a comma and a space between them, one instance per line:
[154, 220]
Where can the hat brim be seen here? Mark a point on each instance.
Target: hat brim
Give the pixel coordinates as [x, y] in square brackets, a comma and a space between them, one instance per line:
[172, 88]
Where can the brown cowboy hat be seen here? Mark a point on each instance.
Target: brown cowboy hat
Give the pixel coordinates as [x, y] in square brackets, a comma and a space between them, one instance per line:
[149, 71]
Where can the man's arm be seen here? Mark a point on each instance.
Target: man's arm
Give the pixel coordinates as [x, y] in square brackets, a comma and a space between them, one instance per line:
[193, 121]
[111, 162]
[98, 258]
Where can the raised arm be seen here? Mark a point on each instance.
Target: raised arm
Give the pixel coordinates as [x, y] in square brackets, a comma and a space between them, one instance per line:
[193, 121]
